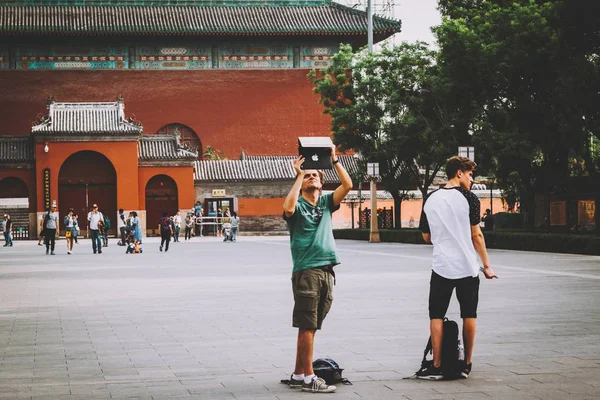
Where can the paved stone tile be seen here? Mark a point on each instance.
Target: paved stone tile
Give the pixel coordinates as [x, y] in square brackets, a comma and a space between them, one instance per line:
[210, 321]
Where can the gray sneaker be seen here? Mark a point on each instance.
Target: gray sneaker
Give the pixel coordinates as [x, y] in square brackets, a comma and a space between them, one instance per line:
[296, 384]
[318, 385]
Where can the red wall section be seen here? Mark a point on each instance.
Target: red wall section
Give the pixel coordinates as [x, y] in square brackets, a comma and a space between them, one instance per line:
[122, 155]
[183, 177]
[27, 176]
[261, 112]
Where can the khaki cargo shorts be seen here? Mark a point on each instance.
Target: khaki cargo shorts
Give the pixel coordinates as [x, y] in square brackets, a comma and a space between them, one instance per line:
[313, 295]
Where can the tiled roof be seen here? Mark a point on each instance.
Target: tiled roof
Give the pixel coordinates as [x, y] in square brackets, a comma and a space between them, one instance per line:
[164, 148]
[333, 19]
[243, 170]
[259, 168]
[87, 119]
[16, 149]
[348, 162]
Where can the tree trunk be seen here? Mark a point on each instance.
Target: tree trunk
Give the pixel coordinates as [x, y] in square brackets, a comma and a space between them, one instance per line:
[397, 210]
[528, 207]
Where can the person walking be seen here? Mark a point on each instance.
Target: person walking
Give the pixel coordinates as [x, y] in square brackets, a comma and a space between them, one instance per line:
[450, 221]
[166, 228]
[189, 223]
[136, 228]
[75, 228]
[308, 214]
[95, 219]
[177, 223]
[7, 229]
[50, 227]
[69, 222]
[235, 224]
[121, 225]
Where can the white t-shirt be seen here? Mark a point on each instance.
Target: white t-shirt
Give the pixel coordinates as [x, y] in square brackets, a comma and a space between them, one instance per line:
[120, 222]
[447, 215]
[177, 220]
[94, 218]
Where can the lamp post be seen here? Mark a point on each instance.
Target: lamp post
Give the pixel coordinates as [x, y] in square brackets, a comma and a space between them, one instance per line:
[370, 25]
[356, 157]
[373, 173]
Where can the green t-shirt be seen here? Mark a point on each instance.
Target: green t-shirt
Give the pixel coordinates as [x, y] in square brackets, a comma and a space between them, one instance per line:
[311, 234]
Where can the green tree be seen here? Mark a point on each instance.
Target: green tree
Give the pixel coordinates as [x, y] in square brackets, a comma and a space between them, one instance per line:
[531, 85]
[394, 108]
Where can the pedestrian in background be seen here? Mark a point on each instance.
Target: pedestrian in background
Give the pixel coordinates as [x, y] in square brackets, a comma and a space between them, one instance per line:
[189, 223]
[177, 223]
[76, 229]
[235, 223]
[165, 225]
[7, 228]
[136, 228]
[69, 223]
[121, 225]
[95, 219]
[50, 226]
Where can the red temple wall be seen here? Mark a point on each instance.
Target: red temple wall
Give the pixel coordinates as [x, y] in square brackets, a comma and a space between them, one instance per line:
[259, 111]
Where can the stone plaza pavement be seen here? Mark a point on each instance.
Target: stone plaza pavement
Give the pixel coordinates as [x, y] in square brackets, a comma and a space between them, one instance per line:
[212, 320]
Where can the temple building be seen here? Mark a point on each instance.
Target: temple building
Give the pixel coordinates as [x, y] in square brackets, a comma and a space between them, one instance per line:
[115, 102]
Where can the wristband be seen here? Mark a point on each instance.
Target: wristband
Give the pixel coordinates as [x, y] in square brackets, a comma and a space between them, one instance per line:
[336, 161]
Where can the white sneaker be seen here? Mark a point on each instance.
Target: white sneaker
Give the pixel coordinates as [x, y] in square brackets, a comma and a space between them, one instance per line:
[318, 385]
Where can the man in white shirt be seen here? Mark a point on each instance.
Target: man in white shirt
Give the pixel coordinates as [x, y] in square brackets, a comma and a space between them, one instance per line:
[450, 221]
[95, 218]
[121, 226]
[177, 223]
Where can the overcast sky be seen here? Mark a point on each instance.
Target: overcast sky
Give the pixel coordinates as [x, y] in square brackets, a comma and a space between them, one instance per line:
[417, 16]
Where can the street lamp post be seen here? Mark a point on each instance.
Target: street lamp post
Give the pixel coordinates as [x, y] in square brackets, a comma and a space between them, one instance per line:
[370, 25]
[373, 173]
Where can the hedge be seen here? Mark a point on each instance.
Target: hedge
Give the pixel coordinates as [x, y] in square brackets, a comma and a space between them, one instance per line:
[526, 241]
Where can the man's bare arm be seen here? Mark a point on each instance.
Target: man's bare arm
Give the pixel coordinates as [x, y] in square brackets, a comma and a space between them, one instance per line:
[341, 191]
[479, 244]
[289, 205]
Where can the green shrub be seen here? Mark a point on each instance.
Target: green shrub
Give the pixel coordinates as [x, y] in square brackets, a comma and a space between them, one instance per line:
[526, 241]
[505, 220]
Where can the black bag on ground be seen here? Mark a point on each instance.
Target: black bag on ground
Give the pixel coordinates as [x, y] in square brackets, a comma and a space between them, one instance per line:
[451, 363]
[330, 371]
[327, 369]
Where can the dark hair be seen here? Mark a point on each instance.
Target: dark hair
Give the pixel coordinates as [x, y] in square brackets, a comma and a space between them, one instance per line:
[120, 211]
[457, 163]
[234, 214]
[164, 213]
[134, 213]
[71, 210]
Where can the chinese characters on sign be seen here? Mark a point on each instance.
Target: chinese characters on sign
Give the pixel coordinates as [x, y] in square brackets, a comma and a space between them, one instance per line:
[46, 188]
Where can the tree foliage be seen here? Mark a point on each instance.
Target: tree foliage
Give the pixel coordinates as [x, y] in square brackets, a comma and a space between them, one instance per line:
[529, 69]
[394, 107]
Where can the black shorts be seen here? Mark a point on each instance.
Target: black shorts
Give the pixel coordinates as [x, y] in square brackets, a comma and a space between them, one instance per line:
[440, 292]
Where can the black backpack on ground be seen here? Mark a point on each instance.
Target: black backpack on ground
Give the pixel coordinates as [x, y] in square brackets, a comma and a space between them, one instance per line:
[451, 363]
[327, 369]
[330, 371]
